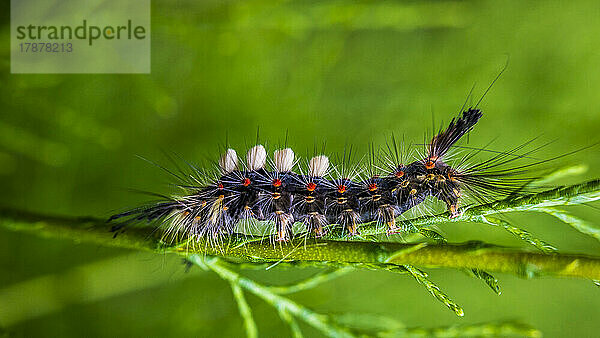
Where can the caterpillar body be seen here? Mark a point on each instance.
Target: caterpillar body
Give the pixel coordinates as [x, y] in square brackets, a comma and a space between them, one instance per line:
[319, 196]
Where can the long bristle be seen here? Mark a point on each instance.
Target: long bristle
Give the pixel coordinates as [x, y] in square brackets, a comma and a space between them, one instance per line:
[441, 143]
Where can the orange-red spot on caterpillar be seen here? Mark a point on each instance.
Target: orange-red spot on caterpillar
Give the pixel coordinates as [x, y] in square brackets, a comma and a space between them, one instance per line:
[277, 183]
[341, 189]
[372, 187]
[220, 186]
[399, 173]
[451, 176]
[246, 182]
[429, 164]
[311, 186]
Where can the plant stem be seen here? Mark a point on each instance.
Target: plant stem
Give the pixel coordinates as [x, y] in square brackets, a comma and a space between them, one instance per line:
[311, 282]
[471, 255]
[245, 312]
[316, 320]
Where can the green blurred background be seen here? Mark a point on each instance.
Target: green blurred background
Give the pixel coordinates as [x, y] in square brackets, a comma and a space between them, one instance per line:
[334, 71]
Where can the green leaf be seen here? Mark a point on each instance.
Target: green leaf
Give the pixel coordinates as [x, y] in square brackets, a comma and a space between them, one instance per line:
[576, 222]
[421, 277]
[490, 280]
[521, 233]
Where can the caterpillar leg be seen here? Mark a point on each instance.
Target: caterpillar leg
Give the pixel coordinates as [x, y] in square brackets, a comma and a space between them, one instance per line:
[385, 213]
[283, 225]
[450, 193]
[314, 223]
[454, 210]
[349, 220]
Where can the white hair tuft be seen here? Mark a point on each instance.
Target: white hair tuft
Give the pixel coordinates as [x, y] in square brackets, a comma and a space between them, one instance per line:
[318, 166]
[256, 157]
[284, 159]
[228, 162]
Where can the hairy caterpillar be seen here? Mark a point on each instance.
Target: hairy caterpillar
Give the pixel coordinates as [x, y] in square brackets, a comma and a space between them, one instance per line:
[320, 195]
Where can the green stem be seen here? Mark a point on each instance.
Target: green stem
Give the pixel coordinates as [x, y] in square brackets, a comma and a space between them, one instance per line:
[245, 312]
[316, 320]
[467, 255]
[576, 222]
[311, 282]
[508, 329]
[294, 328]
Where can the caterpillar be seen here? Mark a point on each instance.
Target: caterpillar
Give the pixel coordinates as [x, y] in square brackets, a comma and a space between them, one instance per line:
[282, 191]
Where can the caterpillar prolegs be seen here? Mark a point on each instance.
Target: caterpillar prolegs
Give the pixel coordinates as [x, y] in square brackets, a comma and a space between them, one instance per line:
[318, 195]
